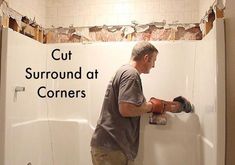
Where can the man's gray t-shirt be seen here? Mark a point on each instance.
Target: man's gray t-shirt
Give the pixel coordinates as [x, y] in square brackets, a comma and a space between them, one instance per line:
[114, 131]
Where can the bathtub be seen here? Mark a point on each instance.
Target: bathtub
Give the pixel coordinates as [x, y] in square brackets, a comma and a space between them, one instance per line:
[62, 142]
[48, 142]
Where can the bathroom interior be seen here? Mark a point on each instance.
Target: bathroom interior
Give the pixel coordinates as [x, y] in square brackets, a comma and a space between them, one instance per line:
[40, 126]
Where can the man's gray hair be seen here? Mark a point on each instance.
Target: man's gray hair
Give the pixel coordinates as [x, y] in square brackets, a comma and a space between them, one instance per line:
[142, 48]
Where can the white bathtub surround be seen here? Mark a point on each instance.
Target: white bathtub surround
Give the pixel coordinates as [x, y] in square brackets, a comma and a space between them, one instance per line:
[211, 106]
[18, 53]
[58, 130]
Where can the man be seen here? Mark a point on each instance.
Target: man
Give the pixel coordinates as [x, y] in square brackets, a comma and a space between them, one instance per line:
[116, 137]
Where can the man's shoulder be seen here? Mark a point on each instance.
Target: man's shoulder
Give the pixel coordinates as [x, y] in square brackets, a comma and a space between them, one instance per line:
[128, 70]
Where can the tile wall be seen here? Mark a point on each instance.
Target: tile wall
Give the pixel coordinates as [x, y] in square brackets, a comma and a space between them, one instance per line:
[119, 12]
[32, 9]
[110, 12]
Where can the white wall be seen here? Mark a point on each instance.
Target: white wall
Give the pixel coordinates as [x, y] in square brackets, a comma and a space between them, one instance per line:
[90, 13]
[31, 9]
[209, 94]
[109, 12]
[2, 113]
[58, 107]
[26, 138]
[121, 12]
[189, 71]
[172, 76]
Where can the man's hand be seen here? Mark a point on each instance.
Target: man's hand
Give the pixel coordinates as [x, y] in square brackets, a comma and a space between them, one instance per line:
[158, 106]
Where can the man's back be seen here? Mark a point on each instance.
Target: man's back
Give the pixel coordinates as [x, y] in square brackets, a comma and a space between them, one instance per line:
[114, 131]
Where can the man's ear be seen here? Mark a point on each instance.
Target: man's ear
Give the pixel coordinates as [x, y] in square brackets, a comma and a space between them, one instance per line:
[146, 58]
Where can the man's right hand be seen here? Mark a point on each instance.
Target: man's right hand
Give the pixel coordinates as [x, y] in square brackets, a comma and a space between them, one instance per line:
[158, 106]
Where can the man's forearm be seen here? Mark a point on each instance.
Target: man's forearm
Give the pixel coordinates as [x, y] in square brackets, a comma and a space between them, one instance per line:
[131, 110]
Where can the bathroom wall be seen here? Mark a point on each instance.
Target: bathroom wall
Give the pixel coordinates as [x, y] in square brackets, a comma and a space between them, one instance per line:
[90, 13]
[187, 68]
[94, 56]
[2, 113]
[84, 13]
[27, 138]
[122, 12]
[209, 94]
[193, 69]
[168, 80]
[173, 76]
[58, 107]
[32, 9]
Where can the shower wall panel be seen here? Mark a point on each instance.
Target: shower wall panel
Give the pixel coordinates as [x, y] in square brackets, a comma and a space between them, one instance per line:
[2, 100]
[61, 107]
[172, 76]
[26, 138]
[209, 95]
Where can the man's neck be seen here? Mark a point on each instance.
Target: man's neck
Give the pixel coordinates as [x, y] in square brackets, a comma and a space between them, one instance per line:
[136, 66]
